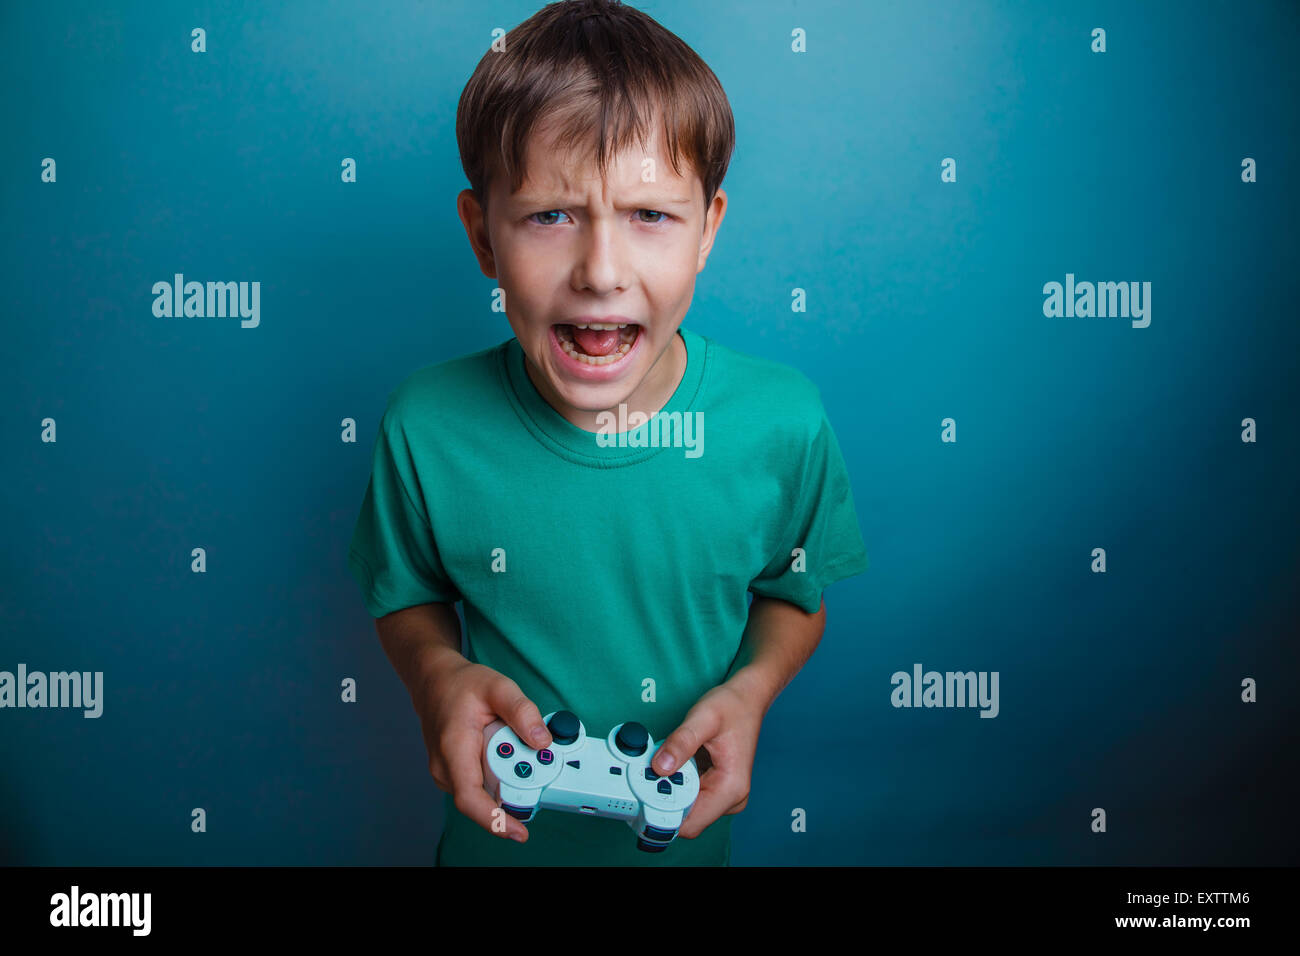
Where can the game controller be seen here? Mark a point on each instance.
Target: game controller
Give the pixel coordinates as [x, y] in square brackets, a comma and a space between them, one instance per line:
[600, 776]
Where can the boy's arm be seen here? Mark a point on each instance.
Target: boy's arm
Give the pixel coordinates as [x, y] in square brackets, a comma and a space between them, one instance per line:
[418, 640]
[455, 699]
[779, 638]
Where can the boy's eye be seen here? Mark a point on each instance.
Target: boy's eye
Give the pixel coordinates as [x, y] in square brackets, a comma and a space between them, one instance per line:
[664, 217]
[549, 212]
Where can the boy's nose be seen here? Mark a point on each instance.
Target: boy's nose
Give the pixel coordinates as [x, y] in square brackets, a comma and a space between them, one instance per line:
[599, 270]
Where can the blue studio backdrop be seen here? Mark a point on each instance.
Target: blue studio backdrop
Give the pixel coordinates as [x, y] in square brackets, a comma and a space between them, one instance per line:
[1086, 490]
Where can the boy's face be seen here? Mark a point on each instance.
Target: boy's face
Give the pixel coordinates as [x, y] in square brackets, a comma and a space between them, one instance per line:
[570, 249]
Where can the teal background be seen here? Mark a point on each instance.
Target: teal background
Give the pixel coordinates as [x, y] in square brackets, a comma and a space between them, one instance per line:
[1118, 690]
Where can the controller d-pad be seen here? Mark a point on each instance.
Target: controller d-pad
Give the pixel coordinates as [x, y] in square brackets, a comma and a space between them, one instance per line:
[677, 778]
[650, 774]
[523, 769]
[665, 786]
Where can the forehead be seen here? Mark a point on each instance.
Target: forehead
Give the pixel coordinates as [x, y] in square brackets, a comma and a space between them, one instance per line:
[555, 167]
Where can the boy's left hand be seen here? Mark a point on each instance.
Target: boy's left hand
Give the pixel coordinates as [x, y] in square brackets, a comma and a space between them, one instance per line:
[725, 725]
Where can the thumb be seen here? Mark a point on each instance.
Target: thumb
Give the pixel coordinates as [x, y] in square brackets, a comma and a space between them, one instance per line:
[700, 726]
[510, 704]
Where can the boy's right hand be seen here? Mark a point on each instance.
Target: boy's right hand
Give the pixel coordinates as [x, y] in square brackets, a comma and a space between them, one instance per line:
[460, 698]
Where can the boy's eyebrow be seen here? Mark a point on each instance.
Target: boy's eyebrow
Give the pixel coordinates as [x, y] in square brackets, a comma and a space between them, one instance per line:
[540, 199]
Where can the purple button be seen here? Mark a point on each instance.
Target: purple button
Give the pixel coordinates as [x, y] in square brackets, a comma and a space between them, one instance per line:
[545, 756]
[505, 749]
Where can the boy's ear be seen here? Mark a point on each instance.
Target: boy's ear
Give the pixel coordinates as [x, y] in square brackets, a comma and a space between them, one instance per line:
[712, 220]
[471, 214]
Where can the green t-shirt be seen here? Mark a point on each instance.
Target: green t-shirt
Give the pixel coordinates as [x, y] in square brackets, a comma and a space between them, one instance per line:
[606, 574]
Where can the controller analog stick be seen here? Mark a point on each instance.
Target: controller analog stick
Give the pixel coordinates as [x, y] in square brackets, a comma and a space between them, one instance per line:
[564, 726]
[631, 739]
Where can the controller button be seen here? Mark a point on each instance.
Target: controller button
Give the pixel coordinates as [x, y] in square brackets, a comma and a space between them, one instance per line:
[617, 770]
[564, 726]
[677, 778]
[665, 786]
[545, 757]
[650, 774]
[658, 833]
[574, 764]
[523, 769]
[632, 739]
[650, 847]
[505, 749]
[519, 813]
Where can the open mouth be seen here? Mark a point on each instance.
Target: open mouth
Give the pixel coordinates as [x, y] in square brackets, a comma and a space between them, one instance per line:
[596, 344]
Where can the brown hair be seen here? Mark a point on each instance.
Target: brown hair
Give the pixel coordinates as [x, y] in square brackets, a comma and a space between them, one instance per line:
[603, 70]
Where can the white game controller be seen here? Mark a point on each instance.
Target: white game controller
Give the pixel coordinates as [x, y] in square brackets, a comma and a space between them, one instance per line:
[600, 776]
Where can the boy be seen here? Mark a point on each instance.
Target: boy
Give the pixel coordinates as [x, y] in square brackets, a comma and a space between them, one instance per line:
[604, 560]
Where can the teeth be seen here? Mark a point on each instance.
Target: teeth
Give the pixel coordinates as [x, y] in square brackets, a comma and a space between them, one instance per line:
[627, 337]
[600, 327]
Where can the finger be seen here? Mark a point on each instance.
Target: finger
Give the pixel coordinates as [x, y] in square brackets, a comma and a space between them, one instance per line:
[510, 704]
[464, 756]
[703, 760]
[701, 725]
[719, 792]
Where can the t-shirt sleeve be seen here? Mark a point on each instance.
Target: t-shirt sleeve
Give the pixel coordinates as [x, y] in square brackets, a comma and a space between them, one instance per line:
[393, 555]
[822, 523]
